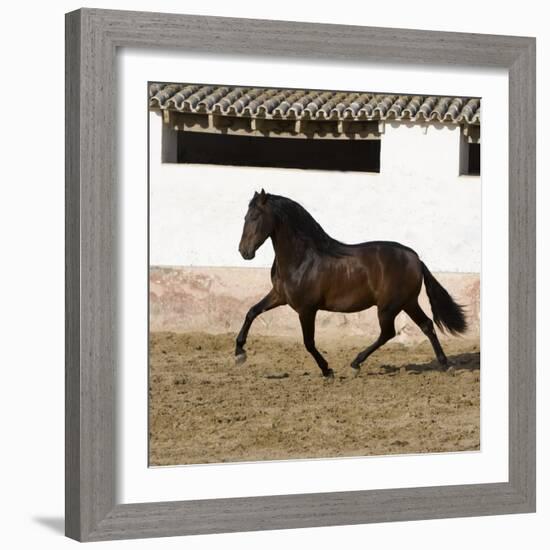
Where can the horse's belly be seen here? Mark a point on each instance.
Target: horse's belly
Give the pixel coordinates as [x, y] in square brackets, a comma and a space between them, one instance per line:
[346, 290]
[347, 308]
[348, 302]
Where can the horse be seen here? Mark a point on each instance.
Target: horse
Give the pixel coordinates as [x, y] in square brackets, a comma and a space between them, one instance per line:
[312, 271]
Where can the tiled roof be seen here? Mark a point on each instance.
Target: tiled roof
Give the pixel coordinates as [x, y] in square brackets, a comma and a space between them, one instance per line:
[286, 104]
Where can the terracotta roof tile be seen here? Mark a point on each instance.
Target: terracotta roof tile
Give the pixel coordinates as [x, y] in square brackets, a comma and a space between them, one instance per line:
[287, 104]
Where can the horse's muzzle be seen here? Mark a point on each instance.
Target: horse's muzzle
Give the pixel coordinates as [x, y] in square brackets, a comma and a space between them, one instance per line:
[246, 254]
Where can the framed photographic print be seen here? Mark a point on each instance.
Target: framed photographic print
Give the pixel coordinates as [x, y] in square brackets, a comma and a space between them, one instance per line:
[380, 158]
[300, 275]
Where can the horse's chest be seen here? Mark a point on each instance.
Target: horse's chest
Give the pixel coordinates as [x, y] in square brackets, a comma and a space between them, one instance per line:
[298, 296]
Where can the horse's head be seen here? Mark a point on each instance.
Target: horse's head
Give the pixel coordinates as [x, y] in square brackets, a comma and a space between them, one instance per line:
[258, 225]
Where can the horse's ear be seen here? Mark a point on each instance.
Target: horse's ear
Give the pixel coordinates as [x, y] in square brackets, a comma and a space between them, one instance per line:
[263, 197]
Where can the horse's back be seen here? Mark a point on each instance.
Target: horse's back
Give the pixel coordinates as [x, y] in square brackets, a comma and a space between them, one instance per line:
[386, 246]
[392, 260]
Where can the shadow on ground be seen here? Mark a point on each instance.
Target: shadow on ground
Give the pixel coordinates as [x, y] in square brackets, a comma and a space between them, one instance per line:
[55, 524]
[462, 361]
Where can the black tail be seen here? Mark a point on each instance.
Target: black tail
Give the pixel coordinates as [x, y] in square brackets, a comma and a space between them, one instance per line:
[447, 314]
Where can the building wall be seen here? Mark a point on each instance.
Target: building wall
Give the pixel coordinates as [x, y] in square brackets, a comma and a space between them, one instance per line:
[418, 198]
[199, 282]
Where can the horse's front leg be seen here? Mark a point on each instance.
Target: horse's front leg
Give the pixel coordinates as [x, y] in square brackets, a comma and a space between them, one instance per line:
[272, 300]
[307, 320]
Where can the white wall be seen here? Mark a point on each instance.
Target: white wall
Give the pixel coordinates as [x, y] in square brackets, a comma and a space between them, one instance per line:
[417, 199]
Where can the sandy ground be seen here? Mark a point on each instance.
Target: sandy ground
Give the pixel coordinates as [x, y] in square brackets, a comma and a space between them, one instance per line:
[204, 408]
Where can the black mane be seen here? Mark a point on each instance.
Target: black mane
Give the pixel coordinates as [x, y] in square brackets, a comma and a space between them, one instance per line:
[295, 216]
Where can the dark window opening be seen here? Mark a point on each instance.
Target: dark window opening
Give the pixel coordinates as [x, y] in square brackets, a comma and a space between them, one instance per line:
[470, 152]
[319, 154]
[474, 164]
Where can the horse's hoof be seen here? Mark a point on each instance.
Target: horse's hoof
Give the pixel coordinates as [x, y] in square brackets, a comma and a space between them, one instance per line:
[328, 375]
[356, 371]
[240, 358]
[451, 371]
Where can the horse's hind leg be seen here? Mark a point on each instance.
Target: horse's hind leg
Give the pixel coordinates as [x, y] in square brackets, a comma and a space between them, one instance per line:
[415, 312]
[386, 318]
[270, 301]
[307, 320]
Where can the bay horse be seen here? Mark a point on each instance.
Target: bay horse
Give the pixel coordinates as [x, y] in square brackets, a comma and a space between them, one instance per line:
[312, 272]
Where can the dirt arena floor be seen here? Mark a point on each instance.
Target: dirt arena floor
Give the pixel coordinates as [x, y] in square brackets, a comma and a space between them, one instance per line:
[205, 409]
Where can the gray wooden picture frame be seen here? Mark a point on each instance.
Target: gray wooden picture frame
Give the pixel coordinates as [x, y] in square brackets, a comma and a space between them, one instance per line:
[92, 39]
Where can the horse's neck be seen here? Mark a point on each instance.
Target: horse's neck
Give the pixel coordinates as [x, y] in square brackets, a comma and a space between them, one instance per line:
[290, 249]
